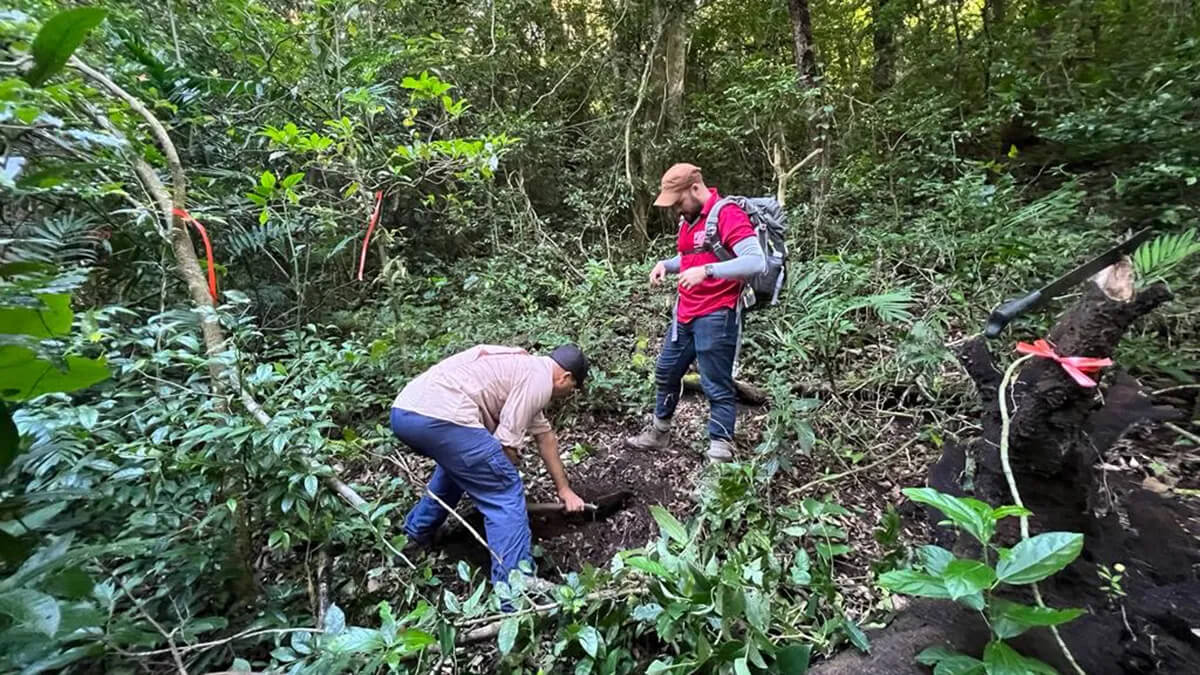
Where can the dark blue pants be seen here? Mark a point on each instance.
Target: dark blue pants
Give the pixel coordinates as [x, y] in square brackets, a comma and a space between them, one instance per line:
[468, 460]
[710, 340]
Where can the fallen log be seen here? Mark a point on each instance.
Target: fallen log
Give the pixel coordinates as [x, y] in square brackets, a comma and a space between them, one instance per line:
[748, 393]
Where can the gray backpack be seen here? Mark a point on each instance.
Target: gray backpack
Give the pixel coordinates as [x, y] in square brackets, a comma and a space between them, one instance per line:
[770, 225]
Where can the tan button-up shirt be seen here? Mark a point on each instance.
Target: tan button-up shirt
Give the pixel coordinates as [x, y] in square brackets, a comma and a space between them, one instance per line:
[501, 389]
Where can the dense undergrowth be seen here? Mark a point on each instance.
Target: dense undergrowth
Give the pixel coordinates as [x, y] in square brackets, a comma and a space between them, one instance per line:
[150, 523]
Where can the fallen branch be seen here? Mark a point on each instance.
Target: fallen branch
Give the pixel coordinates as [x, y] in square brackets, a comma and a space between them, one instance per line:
[749, 393]
[464, 523]
[1183, 432]
[838, 476]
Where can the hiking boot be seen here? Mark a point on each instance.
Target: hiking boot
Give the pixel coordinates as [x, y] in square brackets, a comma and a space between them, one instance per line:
[657, 436]
[653, 438]
[720, 450]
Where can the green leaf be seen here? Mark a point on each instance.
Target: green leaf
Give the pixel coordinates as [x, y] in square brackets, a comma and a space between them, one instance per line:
[58, 39]
[50, 320]
[948, 662]
[1010, 619]
[356, 640]
[584, 667]
[1000, 659]
[647, 565]
[25, 376]
[1038, 557]
[912, 582]
[72, 583]
[670, 526]
[934, 558]
[292, 179]
[267, 180]
[10, 439]
[740, 666]
[1010, 511]
[508, 635]
[31, 609]
[589, 639]
[964, 577]
[658, 667]
[793, 660]
[335, 620]
[962, 512]
[758, 611]
[310, 485]
[647, 612]
[412, 639]
[857, 637]
[973, 601]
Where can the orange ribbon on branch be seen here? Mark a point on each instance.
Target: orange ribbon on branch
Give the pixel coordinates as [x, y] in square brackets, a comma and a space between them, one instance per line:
[1078, 367]
[212, 274]
[362, 257]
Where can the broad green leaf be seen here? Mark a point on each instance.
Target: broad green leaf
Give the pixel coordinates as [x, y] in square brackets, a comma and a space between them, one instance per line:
[25, 376]
[310, 485]
[292, 179]
[1000, 659]
[949, 662]
[33, 610]
[1010, 511]
[335, 620]
[912, 582]
[267, 180]
[960, 511]
[412, 639]
[10, 439]
[964, 577]
[973, 601]
[793, 660]
[758, 611]
[647, 565]
[648, 612]
[857, 637]
[589, 639]
[50, 320]
[356, 640]
[670, 526]
[1038, 557]
[1010, 619]
[58, 39]
[740, 666]
[584, 667]
[658, 667]
[934, 558]
[508, 635]
[72, 583]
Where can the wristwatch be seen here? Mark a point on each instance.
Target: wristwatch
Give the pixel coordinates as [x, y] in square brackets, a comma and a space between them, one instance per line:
[708, 271]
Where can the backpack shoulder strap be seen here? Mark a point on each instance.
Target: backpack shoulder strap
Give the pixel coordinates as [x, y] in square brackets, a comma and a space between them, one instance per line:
[712, 236]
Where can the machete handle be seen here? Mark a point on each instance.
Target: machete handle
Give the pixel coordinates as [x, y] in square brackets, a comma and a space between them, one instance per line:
[1002, 315]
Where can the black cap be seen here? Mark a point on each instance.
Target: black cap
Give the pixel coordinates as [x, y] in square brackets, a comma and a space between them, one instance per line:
[572, 360]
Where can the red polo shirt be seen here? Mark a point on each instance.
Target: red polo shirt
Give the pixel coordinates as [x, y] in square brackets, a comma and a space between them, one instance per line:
[710, 295]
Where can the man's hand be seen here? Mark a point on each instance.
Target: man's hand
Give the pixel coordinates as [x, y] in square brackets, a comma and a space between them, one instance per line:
[571, 500]
[692, 276]
[658, 274]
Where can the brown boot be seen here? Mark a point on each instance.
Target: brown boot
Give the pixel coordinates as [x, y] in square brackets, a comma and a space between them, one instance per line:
[655, 437]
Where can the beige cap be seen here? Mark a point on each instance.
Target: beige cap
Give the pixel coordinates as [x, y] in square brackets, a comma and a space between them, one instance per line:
[675, 182]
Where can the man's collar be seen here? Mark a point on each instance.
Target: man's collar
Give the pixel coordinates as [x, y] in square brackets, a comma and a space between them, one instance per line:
[713, 198]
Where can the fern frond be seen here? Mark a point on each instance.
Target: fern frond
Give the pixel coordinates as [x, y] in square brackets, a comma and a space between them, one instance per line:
[1157, 258]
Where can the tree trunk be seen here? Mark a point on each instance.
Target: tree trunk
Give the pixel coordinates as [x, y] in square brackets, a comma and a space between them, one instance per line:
[1058, 428]
[802, 37]
[883, 73]
[675, 68]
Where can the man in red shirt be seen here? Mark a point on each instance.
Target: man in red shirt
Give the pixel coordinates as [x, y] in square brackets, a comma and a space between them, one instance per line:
[706, 327]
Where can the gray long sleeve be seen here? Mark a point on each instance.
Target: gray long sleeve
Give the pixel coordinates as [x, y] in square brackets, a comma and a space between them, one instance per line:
[749, 261]
[672, 264]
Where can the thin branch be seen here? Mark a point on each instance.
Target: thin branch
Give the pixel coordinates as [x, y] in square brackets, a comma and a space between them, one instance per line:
[1005, 427]
[217, 643]
[641, 96]
[1183, 432]
[465, 524]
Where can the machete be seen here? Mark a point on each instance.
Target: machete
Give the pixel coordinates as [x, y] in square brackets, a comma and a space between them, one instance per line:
[1002, 315]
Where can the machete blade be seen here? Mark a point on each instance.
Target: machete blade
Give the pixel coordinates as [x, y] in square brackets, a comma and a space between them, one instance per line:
[1006, 312]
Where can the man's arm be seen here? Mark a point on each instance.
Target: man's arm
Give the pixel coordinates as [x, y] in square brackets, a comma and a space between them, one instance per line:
[749, 261]
[548, 448]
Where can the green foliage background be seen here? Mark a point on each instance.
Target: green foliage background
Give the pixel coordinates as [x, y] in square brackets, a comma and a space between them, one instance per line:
[517, 149]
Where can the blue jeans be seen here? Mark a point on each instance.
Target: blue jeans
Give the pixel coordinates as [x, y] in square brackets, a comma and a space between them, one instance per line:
[468, 460]
[710, 340]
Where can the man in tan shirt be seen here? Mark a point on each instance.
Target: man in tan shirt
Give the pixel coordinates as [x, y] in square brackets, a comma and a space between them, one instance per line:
[470, 413]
